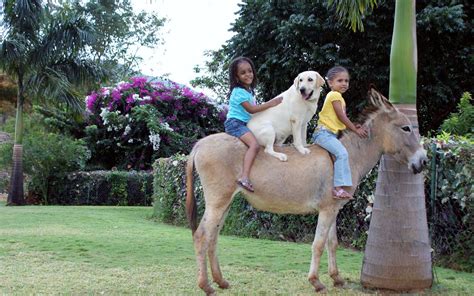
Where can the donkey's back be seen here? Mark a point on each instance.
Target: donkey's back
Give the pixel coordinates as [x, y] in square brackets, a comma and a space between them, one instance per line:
[297, 186]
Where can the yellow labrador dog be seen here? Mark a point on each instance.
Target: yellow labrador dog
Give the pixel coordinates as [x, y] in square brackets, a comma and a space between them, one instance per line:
[291, 117]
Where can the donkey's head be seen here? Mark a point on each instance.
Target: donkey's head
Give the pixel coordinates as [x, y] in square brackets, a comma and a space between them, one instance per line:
[395, 132]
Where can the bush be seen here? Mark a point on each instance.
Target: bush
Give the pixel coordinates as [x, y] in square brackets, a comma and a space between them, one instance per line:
[116, 188]
[135, 122]
[461, 123]
[47, 157]
[450, 202]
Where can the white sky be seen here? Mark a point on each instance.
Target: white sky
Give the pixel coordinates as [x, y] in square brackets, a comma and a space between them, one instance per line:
[193, 26]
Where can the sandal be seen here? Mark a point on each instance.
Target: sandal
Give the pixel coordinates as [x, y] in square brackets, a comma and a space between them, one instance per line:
[245, 183]
[341, 194]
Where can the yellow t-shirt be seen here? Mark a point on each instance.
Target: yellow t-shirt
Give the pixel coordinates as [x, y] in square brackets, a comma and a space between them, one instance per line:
[328, 117]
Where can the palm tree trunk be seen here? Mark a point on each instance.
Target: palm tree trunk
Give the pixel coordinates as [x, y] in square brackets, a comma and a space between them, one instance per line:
[16, 194]
[398, 253]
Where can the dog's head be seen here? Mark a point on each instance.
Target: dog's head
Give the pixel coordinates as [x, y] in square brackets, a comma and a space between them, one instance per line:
[309, 84]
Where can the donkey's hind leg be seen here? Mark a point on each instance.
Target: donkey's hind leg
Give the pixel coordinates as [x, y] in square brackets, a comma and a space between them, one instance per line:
[205, 239]
[331, 247]
[213, 260]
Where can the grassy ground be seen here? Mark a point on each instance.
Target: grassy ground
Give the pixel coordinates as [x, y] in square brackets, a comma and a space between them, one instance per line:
[119, 250]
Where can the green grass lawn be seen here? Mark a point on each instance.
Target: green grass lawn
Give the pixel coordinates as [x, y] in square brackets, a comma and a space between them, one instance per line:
[119, 250]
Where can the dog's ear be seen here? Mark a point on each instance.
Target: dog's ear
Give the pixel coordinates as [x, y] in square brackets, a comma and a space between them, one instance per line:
[297, 81]
[320, 80]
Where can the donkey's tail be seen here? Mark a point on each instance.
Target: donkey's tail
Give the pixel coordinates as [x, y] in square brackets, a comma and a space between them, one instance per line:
[191, 207]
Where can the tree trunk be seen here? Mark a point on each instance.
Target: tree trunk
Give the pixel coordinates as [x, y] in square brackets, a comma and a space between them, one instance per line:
[398, 252]
[16, 194]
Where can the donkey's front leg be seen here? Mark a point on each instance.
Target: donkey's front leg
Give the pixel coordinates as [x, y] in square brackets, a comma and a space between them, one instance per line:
[331, 247]
[325, 220]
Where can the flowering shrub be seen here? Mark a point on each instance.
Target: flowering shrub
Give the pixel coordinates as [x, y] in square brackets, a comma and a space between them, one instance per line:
[135, 122]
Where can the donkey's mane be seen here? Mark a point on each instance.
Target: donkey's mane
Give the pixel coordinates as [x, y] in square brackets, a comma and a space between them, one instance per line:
[364, 117]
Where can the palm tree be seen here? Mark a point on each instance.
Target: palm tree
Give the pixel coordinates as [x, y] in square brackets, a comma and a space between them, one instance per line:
[398, 253]
[43, 51]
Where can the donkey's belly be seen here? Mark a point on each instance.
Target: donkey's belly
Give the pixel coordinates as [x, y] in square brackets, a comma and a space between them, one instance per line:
[282, 204]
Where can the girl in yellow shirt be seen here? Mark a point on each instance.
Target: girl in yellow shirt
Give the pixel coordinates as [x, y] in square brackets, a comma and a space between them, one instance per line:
[333, 119]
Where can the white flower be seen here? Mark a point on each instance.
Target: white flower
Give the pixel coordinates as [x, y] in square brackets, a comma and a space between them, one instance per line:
[175, 163]
[146, 98]
[155, 140]
[130, 141]
[136, 97]
[103, 114]
[127, 130]
[166, 126]
[368, 209]
[109, 128]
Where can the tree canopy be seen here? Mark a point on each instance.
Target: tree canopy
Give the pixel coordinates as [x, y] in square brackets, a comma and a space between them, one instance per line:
[284, 38]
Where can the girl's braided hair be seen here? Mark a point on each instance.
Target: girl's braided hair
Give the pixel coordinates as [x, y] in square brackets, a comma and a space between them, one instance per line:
[233, 80]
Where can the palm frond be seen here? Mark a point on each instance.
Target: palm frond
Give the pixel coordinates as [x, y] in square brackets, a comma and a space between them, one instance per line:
[23, 16]
[351, 12]
[49, 84]
[13, 51]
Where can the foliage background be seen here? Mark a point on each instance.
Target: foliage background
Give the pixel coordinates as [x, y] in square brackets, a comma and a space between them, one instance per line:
[284, 38]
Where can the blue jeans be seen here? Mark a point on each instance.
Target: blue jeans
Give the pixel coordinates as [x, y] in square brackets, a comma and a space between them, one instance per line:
[342, 170]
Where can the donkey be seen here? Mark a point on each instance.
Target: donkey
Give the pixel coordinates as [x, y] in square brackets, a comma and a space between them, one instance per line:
[300, 186]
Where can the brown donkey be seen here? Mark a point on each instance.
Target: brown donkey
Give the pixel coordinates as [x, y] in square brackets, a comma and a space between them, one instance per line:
[300, 186]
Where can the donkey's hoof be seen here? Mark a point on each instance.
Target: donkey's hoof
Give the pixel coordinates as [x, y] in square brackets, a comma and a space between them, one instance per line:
[207, 289]
[211, 292]
[223, 284]
[338, 281]
[318, 286]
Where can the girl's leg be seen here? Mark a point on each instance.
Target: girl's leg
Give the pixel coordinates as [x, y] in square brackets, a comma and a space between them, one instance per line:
[249, 140]
[342, 170]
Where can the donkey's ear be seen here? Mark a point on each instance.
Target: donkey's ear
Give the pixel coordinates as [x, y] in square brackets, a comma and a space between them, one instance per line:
[297, 81]
[378, 100]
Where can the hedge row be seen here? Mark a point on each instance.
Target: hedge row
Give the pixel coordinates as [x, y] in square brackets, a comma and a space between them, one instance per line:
[450, 208]
[122, 188]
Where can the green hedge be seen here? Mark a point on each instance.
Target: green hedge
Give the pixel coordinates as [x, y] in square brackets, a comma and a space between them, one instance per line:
[122, 188]
[451, 223]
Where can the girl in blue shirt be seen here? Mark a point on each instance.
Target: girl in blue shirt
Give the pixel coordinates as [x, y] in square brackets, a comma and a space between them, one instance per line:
[242, 79]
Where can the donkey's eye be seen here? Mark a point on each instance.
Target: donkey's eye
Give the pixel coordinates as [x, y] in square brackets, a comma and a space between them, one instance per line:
[406, 128]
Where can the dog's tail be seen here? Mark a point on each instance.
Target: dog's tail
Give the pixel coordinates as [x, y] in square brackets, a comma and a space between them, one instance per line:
[191, 206]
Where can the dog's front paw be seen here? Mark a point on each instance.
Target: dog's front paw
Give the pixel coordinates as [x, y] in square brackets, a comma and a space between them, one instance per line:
[282, 157]
[303, 150]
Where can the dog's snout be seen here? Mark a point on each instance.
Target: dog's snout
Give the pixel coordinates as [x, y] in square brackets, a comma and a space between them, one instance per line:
[303, 90]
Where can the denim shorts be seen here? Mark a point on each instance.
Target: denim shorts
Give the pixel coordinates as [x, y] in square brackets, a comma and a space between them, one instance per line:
[236, 127]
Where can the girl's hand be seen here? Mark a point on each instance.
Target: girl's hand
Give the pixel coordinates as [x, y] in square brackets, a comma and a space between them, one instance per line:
[361, 132]
[275, 101]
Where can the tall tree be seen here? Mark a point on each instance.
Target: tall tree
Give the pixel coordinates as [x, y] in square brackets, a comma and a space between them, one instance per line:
[121, 34]
[43, 51]
[284, 37]
[398, 253]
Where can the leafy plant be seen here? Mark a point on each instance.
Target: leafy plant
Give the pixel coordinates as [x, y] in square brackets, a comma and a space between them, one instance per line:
[462, 122]
[135, 122]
